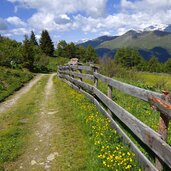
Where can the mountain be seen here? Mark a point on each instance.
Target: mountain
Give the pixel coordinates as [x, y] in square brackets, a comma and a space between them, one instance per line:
[81, 41]
[95, 42]
[168, 29]
[144, 40]
[148, 43]
[159, 27]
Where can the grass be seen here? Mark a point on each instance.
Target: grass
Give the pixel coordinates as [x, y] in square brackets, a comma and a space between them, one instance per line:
[11, 80]
[90, 143]
[140, 109]
[151, 81]
[55, 61]
[16, 125]
[158, 81]
[85, 140]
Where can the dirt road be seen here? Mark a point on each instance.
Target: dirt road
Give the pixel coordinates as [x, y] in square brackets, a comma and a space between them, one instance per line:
[53, 138]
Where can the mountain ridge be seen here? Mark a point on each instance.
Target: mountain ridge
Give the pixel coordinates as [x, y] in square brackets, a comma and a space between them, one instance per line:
[148, 43]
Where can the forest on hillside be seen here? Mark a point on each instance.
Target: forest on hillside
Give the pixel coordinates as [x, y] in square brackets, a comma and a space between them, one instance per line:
[35, 56]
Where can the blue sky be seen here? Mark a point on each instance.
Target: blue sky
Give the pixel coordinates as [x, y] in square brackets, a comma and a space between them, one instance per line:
[74, 20]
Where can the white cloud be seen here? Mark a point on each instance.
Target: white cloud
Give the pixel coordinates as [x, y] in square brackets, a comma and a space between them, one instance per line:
[53, 15]
[3, 25]
[107, 33]
[88, 15]
[86, 24]
[50, 22]
[20, 31]
[91, 7]
[64, 16]
[15, 21]
[62, 19]
[147, 5]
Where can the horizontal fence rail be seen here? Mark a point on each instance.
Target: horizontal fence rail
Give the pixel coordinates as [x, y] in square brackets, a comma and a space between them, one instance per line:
[127, 88]
[157, 142]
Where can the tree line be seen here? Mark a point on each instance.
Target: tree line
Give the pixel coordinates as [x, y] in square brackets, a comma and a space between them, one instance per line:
[70, 50]
[35, 55]
[29, 54]
[130, 58]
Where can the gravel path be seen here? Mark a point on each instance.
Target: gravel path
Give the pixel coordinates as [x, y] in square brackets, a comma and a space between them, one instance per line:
[41, 153]
[12, 100]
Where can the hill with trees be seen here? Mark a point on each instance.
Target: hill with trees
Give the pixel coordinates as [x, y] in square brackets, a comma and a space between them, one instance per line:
[35, 56]
[148, 43]
[28, 54]
[131, 59]
[70, 50]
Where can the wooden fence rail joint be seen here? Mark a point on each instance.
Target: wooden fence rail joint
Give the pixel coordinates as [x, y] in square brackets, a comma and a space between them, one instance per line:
[160, 105]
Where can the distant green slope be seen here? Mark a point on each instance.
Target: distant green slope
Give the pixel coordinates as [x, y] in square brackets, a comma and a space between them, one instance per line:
[11, 80]
[144, 40]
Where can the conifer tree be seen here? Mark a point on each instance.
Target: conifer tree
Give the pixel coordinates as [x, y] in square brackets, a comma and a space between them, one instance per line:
[168, 66]
[81, 53]
[91, 55]
[153, 64]
[61, 49]
[33, 39]
[46, 43]
[71, 50]
[127, 57]
[28, 53]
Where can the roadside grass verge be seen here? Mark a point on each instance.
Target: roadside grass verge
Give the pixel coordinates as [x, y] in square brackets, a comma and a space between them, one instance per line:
[16, 124]
[88, 140]
[141, 110]
[11, 80]
[151, 81]
[158, 81]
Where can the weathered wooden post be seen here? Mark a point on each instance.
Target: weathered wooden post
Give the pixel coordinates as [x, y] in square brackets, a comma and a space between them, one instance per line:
[95, 70]
[70, 71]
[58, 71]
[109, 94]
[163, 128]
[80, 71]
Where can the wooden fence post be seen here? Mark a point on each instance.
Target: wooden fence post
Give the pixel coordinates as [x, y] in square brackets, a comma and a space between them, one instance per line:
[70, 70]
[109, 94]
[95, 69]
[80, 71]
[163, 128]
[59, 68]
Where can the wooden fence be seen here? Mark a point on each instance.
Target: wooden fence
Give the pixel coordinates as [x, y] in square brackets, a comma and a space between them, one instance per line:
[157, 142]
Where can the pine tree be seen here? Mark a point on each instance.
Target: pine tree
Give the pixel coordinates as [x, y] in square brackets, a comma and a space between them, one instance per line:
[153, 64]
[46, 43]
[127, 57]
[91, 55]
[168, 66]
[33, 39]
[71, 50]
[81, 53]
[28, 53]
[61, 49]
